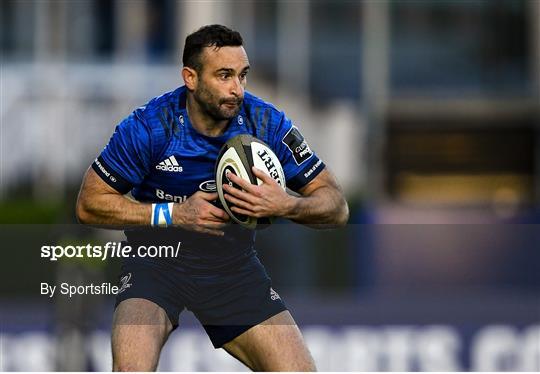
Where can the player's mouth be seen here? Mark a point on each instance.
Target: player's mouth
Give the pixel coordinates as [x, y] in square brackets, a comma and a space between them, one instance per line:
[232, 104]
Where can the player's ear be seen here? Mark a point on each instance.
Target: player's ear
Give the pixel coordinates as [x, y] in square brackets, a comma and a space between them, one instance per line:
[190, 77]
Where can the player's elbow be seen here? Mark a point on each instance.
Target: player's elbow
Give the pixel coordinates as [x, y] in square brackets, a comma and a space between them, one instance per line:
[342, 212]
[82, 211]
[336, 216]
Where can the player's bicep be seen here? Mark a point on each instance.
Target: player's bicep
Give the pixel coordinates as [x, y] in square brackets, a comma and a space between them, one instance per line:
[93, 195]
[93, 184]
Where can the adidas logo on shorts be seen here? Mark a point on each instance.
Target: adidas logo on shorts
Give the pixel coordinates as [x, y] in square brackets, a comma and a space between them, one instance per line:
[170, 164]
[274, 295]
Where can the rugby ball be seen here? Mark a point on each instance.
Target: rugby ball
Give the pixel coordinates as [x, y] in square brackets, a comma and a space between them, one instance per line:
[237, 156]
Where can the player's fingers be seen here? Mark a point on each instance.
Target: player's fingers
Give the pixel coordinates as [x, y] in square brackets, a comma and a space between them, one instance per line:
[220, 214]
[216, 220]
[241, 182]
[214, 225]
[237, 202]
[206, 229]
[245, 212]
[262, 175]
[213, 232]
[208, 196]
[242, 195]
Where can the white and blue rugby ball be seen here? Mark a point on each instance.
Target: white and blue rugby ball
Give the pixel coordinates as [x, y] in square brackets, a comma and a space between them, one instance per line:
[237, 156]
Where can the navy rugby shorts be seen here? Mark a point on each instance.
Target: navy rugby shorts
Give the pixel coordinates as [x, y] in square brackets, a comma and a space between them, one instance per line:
[226, 302]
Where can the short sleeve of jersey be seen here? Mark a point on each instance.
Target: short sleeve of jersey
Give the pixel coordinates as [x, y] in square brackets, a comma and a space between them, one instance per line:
[300, 164]
[125, 161]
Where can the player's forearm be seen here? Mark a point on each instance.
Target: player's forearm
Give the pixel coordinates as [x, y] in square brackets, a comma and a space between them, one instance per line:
[325, 206]
[112, 209]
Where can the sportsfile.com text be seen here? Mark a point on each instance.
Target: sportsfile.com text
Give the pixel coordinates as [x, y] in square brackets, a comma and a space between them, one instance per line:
[109, 250]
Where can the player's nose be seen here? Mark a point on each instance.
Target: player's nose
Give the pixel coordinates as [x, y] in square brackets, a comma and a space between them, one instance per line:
[237, 89]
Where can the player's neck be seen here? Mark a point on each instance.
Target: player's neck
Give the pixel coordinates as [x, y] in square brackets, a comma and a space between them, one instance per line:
[203, 123]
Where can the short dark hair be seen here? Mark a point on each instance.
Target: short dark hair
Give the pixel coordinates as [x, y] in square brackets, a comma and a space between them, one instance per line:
[207, 36]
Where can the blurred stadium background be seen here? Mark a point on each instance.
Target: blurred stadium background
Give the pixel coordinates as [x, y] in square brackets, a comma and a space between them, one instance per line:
[427, 111]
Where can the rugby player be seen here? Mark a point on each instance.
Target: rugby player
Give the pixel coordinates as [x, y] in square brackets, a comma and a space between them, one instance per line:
[164, 154]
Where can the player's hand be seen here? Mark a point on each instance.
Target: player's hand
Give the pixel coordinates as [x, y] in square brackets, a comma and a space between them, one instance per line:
[198, 214]
[267, 200]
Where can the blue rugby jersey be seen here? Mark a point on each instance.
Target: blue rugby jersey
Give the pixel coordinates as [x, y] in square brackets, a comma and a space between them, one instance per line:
[157, 155]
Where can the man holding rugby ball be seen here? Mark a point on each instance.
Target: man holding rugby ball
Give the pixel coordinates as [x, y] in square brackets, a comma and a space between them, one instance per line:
[164, 154]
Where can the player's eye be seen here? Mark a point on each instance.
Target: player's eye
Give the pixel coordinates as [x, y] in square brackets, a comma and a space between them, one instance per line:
[224, 75]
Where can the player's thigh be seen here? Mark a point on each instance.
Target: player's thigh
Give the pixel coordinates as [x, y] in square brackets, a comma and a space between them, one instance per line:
[140, 328]
[274, 345]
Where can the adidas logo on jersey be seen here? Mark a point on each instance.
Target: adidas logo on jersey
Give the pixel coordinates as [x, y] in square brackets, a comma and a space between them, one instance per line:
[170, 164]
